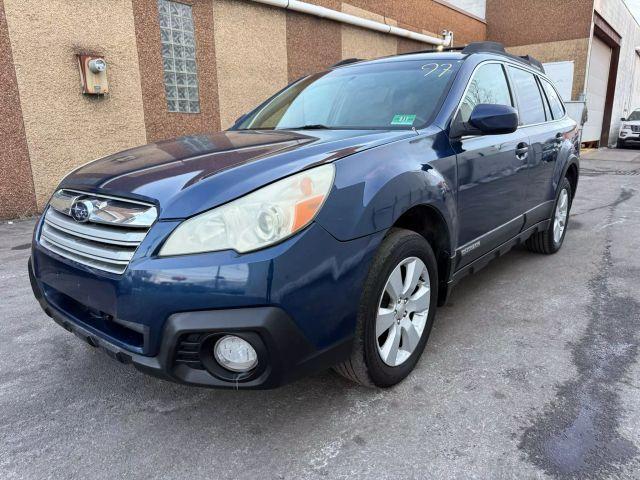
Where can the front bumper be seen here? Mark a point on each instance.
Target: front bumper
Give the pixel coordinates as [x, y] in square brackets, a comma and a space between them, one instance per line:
[298, 300]
[629, 136]
[286, 354]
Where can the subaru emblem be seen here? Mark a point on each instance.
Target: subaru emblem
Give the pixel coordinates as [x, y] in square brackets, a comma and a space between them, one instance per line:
[81, 210]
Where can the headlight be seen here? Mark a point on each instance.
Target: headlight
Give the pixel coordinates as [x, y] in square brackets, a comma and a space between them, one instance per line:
[626, 126]
[257, 220]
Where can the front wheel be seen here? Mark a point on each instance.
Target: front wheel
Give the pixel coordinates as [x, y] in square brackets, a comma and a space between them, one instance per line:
[396, 312]
[552, 238]
[620, 143]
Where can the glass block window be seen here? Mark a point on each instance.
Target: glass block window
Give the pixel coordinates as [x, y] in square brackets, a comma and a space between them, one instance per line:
[179, 57]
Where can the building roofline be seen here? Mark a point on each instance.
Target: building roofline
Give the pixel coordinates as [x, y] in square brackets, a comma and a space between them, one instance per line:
[461, 10]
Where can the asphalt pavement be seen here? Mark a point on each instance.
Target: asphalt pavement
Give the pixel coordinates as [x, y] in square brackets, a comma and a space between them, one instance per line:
[531, 372]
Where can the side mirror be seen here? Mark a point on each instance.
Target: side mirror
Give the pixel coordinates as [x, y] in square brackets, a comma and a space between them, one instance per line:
[623, 119]
[490, 119]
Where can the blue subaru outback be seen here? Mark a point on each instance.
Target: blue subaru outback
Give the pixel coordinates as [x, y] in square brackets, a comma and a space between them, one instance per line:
[321, 230]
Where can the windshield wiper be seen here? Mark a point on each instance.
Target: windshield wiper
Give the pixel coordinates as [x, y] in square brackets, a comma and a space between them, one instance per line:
[312, 126]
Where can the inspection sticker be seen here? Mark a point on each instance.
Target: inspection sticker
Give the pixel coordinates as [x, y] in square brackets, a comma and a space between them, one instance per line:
[403, 119]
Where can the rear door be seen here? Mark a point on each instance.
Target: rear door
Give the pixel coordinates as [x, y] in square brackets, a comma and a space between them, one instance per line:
[544, 140]
[492, 171]
[541, 116]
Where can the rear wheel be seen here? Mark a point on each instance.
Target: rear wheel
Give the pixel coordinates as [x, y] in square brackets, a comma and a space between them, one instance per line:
[552, 238]
[396, 311]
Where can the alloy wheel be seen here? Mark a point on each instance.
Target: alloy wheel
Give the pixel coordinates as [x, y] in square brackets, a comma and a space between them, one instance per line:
[402, 311]
[560, 219]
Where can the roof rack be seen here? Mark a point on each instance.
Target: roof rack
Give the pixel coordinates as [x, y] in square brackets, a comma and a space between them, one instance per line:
[495, 47]
[346, 61]
[479, 47]
[469, 49]
[486, 47]
[534, 62]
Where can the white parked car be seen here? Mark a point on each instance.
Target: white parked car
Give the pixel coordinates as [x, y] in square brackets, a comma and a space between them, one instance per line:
[630, 129]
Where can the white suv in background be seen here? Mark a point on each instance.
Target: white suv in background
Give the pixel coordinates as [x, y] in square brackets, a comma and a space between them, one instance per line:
[630, 129]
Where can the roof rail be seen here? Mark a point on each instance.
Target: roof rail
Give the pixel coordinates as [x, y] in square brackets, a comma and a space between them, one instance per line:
[495, 47]
[346, 61]
[469, 49]
[534, 62]
[478, 47]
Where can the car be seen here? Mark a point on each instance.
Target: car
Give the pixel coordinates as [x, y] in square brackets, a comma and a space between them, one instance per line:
[323, 229]
[630, 129]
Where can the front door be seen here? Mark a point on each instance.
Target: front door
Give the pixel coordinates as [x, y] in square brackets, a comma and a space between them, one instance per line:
[492, 172]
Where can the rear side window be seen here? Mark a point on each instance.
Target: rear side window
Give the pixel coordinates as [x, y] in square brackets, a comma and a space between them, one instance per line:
[557, 109]
[530, 104]
[489, 85]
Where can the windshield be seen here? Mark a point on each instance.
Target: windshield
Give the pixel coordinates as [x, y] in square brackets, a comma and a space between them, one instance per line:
[392, 95]
[635, 115]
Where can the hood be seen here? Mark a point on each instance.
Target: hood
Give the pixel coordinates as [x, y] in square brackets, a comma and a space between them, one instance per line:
[191, 174]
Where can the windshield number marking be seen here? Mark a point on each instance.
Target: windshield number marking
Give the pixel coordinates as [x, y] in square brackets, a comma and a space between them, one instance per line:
[434, 67]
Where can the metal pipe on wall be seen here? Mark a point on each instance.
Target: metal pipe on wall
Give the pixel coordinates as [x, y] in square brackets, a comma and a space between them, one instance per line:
[323, 12]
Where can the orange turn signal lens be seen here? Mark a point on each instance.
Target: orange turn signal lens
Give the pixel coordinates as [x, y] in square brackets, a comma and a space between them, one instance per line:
[305, 211]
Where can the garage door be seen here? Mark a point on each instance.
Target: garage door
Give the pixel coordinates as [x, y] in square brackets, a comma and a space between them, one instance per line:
[599, 63]
[635, 91]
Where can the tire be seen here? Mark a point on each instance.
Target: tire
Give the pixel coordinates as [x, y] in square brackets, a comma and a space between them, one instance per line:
[366, 364]
[620, 144]
[547, 242]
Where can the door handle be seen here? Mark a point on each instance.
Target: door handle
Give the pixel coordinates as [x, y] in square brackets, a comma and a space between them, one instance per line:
[522, 150]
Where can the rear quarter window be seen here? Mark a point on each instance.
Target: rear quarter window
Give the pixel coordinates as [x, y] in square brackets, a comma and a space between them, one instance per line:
[557, 109]
[530, 105]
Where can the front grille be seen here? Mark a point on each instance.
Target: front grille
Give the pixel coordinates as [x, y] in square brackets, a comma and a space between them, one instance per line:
[635, 128]
[107, 236]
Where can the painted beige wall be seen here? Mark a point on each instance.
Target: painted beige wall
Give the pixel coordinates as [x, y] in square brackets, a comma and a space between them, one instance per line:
[64, 128]
[575, 50]
[251, 55]
[361, 43]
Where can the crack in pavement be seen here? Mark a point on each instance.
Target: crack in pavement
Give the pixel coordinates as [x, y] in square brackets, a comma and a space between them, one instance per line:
[626, 194]
[576, 435]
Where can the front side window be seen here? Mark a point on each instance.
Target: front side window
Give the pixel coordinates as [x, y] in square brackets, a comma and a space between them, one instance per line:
[390, 95]
[489, 85]
[179, 57]
[557, 110]
[531, 108]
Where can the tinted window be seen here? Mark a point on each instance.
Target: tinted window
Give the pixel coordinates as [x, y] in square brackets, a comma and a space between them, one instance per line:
[530, 104]
[386, 95]
[489, 85]
[554, 101]
[635, 115]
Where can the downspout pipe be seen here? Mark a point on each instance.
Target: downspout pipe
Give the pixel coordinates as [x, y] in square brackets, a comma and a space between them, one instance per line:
[323, 12]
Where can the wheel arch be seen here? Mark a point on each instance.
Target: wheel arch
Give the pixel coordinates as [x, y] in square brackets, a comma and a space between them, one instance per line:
[427, 221]
[572, 173]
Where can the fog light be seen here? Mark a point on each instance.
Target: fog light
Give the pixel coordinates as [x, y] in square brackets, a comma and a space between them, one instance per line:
[235, 354]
